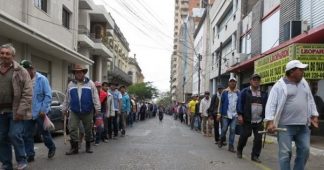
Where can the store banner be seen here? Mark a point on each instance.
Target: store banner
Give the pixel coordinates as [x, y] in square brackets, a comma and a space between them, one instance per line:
[272, 67]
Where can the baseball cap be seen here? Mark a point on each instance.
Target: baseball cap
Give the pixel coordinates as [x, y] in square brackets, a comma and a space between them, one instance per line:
[295, 64]
[232, 78]
[255, 75]
[26, 64]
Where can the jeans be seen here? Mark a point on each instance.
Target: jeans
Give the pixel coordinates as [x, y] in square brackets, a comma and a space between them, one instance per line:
[29, 137]
[11, 132]
[246, 132]
[232, 124]
[301, 135]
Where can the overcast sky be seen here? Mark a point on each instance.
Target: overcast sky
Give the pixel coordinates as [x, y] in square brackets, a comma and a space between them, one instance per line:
[148, 27]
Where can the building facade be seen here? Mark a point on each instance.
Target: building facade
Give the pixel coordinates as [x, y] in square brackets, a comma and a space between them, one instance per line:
[55, 35]
[44, 32]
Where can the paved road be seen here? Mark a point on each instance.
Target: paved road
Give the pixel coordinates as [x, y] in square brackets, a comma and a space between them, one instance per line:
[153, 145]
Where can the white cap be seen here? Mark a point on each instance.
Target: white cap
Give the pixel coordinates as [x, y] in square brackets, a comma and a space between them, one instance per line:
[295, 64]
[232, 78]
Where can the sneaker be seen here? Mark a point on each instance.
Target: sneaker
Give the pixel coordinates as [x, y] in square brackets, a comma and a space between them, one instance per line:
[105, 140]
[216, 142]
[21, 166]
[30, 159]
[96, 144]
[51, 153]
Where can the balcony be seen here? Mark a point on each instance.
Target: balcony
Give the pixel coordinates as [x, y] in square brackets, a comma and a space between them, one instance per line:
[84, 37]
[86, 4]
[101, 47]
[119, 76]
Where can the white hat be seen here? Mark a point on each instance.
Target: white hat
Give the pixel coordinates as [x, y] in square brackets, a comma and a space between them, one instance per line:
[232, 78]
[295, 64]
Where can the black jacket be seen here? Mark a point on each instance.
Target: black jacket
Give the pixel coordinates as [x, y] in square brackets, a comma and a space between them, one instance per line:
[244, 104]
[213, 107]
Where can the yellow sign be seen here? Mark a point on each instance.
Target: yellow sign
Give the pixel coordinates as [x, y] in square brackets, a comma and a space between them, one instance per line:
[272, 67]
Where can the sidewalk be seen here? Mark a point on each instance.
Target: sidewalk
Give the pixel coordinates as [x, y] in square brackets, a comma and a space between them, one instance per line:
[317, 144]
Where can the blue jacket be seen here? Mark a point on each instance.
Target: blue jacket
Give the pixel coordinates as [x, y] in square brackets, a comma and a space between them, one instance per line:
[223, 105]
[88, 100]
[126, 106]
[42, 95]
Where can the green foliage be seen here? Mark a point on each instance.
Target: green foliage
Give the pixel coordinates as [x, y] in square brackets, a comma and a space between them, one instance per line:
[143, 91]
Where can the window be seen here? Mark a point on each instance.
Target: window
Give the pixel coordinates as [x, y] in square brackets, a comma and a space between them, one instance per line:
[41, 4]
[66, 18]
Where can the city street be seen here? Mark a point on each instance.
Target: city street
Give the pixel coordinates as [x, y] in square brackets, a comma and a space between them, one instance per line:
[154, 145]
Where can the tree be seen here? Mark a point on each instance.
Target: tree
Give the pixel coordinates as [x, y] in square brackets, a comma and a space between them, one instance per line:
[143, 91]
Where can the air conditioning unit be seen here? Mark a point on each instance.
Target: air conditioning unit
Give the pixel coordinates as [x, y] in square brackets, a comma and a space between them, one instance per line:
[294, 28]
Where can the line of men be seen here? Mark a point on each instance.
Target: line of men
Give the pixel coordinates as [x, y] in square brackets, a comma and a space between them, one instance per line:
[25, 100]
[290, 106]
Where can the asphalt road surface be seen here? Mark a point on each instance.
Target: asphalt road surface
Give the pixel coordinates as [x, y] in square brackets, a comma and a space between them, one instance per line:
[152, 145]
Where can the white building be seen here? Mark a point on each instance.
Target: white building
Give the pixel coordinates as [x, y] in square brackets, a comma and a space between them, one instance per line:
[44, 32]
[224, 18]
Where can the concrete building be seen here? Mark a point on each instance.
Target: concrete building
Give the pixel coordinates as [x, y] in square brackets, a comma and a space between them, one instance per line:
[44, 32]
[94, 21]
[183, 8]
[286, 30]
[135, 71]
[55, 35]
[118, 68]
[200, 78]
[224, 17]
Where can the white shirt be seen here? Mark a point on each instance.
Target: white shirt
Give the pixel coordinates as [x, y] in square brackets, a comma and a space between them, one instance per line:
[204, 105]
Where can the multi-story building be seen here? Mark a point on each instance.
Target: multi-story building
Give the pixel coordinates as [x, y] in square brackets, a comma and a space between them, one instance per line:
[44, 32]
[55, 35]
[183, 8]
[135, 71]
[118, 68]
[282, 31]
[224, 18]
[94, 21]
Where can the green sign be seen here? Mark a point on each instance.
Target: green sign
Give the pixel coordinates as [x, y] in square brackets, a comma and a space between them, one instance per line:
[272, 67]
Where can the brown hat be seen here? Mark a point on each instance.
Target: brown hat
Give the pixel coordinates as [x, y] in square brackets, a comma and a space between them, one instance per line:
[79, 67]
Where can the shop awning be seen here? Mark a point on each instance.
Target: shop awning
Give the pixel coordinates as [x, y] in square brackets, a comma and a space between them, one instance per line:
[314, 35]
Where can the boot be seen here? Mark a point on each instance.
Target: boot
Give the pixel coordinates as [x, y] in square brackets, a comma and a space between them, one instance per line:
[74, 148]
[88, 147]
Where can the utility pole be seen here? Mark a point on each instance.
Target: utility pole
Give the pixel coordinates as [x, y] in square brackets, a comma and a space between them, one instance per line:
[220, 63]
[199, 69]
[183, 88]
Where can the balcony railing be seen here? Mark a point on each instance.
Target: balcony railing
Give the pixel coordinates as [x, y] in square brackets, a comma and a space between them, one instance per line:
[119, 75]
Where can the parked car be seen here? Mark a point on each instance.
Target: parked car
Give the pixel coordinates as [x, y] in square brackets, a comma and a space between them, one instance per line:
[55, 115]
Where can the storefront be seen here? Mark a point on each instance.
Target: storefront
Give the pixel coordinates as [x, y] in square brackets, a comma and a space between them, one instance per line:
[272, 68]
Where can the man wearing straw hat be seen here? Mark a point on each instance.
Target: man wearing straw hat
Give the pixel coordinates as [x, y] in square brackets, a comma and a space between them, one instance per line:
[82, 100]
